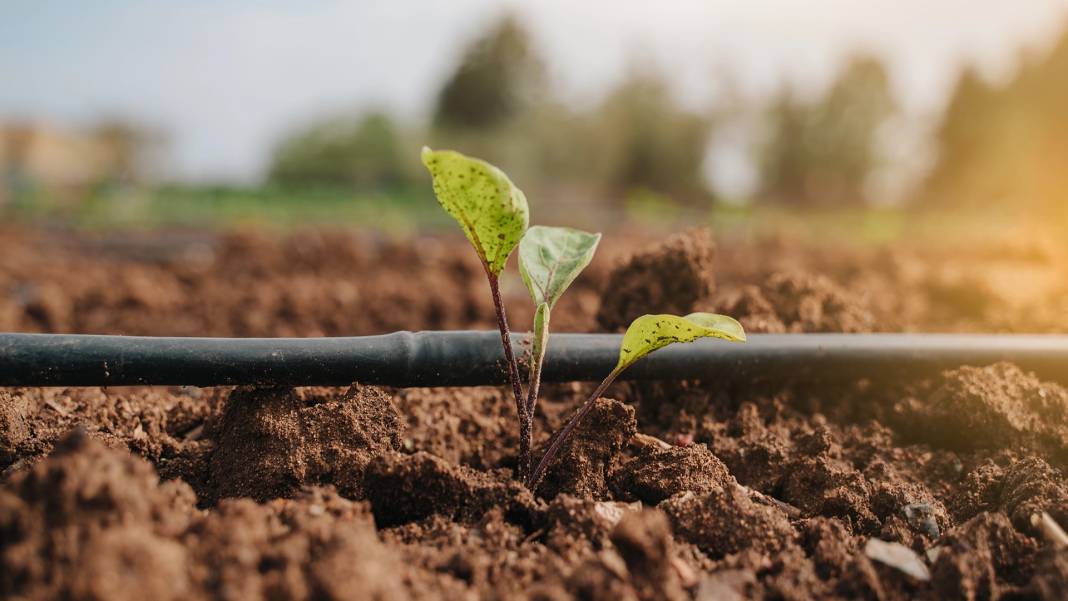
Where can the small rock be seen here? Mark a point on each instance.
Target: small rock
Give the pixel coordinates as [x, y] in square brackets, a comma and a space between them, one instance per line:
[897, 556]
[613, 511]
[921, 517]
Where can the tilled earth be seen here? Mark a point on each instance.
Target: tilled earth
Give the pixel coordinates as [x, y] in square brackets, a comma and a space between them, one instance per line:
[671, 490]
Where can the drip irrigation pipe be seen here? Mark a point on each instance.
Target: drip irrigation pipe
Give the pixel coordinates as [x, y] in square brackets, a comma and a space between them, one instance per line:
[466, 358]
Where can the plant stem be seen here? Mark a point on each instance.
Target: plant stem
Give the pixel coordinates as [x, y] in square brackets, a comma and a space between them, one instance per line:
[513, 376]
[537, 356]
[565, 434]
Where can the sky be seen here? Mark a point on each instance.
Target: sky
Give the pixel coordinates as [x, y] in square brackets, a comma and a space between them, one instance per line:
[226, 80]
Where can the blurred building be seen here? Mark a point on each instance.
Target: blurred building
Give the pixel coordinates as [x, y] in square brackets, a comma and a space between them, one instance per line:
[40, 160]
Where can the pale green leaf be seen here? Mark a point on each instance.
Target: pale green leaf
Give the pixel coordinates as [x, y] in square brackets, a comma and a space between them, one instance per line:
[550, 258]
[491, 210]
[651, 332]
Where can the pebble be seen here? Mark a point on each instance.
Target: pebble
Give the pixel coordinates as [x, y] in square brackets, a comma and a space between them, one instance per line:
[897, 556]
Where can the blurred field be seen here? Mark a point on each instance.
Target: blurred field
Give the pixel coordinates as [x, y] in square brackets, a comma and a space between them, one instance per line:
[407, 213]
[224, 208]
[832, 165]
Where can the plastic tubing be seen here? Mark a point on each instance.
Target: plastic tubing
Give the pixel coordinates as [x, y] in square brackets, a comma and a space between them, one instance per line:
[468, 358]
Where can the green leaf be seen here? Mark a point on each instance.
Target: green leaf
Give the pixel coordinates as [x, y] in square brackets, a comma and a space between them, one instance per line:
[651, 332]
[491, 210]
[550, 258]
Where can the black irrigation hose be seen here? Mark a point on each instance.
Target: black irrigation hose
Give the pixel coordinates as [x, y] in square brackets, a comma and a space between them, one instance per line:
[472, 358]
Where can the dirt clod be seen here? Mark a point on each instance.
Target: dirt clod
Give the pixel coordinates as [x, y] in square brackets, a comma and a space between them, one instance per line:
[661, 473]
[797, 302]
[408, 488]
[981, 557]
[670, 277]
[272, 442]
[91, 522]
[829, 544]
[14, 424]
[638, 564]
[832, 488]
[726, 520]
[1050, 580]
[1024, 488]
[644, 541]
[582, 466]
[998, 405]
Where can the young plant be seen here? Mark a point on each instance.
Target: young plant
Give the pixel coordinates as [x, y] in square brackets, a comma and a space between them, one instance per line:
[493, 214]
[550, 258]
[645, 335]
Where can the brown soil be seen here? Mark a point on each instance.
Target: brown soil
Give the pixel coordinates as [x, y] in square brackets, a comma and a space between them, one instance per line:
[667, 277]
[272, 443]
[678, 490]
[984, 407]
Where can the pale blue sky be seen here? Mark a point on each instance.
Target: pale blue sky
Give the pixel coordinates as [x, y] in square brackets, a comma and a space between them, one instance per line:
[226, 79]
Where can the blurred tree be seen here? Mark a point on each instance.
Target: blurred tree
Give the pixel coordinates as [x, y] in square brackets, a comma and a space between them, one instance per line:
[964, 166]
[497, 104]
[498, 78]
[786, 154]
[364, 153]
[822, 152]
[644, 141]
[1006, 144]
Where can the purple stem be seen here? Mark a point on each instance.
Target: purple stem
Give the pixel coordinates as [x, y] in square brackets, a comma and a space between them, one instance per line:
[513, 376]
[533, 386]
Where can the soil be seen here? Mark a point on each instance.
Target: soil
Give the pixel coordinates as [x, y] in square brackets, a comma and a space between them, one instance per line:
[666, 277]
[671, 490]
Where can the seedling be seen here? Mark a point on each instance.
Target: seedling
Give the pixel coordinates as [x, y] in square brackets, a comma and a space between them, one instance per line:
[644, 335]
[550, 258]
[493, 213]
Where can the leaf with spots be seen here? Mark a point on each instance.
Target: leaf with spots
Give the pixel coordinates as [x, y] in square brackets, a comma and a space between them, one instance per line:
[550, 258]
[651, 332]
[491, 210]
[645, 335]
